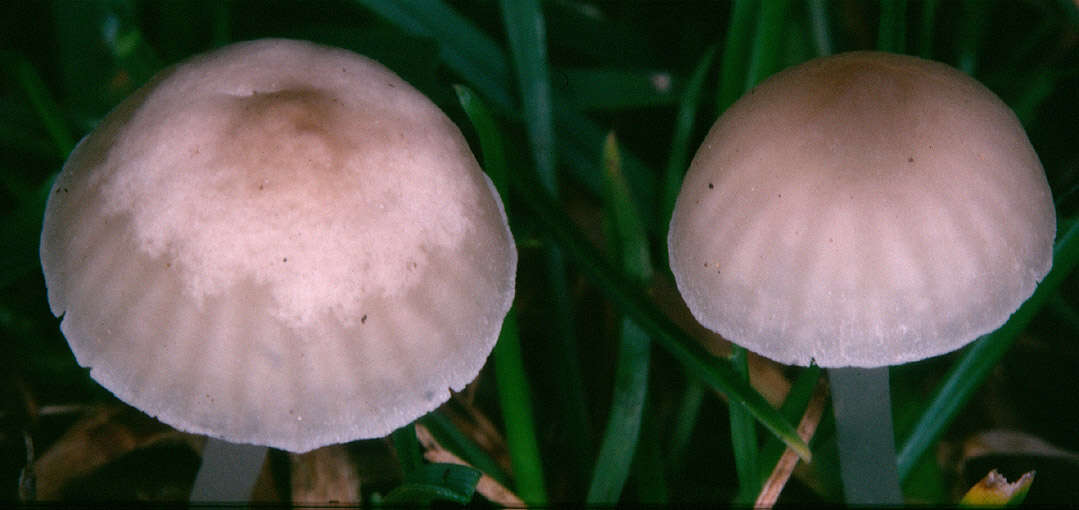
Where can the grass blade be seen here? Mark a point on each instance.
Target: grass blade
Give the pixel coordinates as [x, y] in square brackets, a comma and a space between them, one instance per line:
[515, 396]
[744, 437]
[767, 42]
[822, 34]
[689, 408]
[525, 28]
[792, 409]
[971, 25]
[678, 160]
[892, 32]
[528, 44]
[434, 482]
[483, 64]
[629, 298]
[619, 444]
[734, 63]
[462, 46]
[43, 103]
[631, 242]
[579, 138]
[929, 21]
[972, 368]
[515, 399]
[649, 464]
[487, 130]
[407, 448]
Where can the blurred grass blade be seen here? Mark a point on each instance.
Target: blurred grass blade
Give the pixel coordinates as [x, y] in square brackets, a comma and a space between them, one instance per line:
[573, 406]
[744, 437]
[1035, 91]
[611, 88]
[971, 24]
[975, 364]
[736, 48]
[631, 242]
[579, 138]
[620, 439]
[678, 160]
[768, 42]
[822, 34]
[515, 396]
[220, 23]
[21, 231]
[892, 32]
[697, 361]
[490, 138]
[585, 28]
[43, 103]
[619, 444]
[650, 462]
[689, 408]
[464, 48]
[926, 29]
[484, 65]
[525, 28]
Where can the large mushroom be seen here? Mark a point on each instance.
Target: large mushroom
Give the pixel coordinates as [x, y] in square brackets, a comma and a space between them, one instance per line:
[862, 210]
[278, 243]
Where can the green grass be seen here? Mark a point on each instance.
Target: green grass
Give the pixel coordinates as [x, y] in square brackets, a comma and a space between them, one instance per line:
[600, 389]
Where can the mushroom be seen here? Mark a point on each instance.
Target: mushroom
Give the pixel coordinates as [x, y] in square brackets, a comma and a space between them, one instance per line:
[278, 243]
[862, 210]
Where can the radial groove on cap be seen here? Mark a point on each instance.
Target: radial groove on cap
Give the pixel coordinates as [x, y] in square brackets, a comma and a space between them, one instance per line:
[862, 210]
[278, 243]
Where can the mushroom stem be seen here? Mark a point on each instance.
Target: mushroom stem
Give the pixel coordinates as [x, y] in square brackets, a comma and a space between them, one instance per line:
[228, 472]
[862, 405]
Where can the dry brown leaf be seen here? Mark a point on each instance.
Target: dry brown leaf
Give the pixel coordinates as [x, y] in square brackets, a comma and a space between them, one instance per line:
[1010, 442]
[104, 433]
[782, 472]
[994, 490]
[325, 475]
[487, 486]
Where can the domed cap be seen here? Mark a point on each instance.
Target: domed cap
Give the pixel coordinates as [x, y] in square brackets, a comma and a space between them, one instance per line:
[865, 209]
[278, 243]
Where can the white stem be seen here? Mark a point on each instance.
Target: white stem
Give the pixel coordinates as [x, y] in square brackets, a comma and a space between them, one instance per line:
[862, 405]
[228, 472]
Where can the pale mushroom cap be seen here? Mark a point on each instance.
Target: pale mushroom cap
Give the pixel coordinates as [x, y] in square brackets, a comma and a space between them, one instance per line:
[278, 243]
[865, 209]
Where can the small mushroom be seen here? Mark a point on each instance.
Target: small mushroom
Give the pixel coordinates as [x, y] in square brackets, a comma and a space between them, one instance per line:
[278, 243]
[862, 210]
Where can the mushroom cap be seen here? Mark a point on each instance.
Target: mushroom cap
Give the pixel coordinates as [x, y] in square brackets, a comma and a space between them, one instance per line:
[864, 209]
[278, 243]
